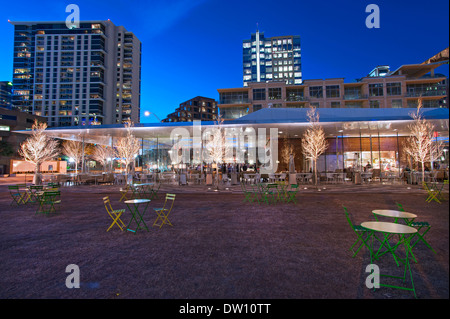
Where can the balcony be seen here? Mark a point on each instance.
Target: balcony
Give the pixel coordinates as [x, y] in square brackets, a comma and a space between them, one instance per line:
[296, 99]
[437, 92]
[355, 96]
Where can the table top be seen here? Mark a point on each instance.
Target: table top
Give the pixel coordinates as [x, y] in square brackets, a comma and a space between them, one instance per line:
[143, 184]
[389, 227]
[136, 201]
[393, 213]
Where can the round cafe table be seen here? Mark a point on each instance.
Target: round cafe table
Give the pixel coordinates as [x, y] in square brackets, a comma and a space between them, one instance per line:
[387, 232]
[408, 218]
[133, 206]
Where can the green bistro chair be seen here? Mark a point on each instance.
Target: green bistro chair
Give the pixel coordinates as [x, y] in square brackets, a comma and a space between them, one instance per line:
[48, 202]
[249, 193]
[361, 233]
[272, 190]
[422, 229]
[16, 195]
[292, 193]
[263, 193]
[154, 192]
[33, 189]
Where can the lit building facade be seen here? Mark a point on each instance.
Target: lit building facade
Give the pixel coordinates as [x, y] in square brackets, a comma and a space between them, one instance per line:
[6, 94]
[380, 89]
[80, 76]
[197, 109]
[272, 59]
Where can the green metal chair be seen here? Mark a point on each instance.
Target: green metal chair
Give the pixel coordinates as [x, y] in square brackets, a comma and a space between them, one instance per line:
[272, 190]
[422, 229]
[154, 192]
[250, 194]
[16, 195]
[292, 193]
[33, 189]
[48, 202]
[361, 233]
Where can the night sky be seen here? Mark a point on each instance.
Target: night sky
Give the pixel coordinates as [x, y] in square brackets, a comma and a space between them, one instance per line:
[194, 47]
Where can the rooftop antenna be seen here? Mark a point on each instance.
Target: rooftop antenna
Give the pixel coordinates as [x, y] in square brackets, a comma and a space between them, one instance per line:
[257, 27]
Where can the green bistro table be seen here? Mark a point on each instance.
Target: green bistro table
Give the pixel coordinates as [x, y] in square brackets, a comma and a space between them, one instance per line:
[408, 218]
[387, 230]
[133, 206]
[141, 190]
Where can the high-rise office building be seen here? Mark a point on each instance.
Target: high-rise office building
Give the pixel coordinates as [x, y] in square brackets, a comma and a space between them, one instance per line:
[79, 76]
[272, 59]
[5, 94]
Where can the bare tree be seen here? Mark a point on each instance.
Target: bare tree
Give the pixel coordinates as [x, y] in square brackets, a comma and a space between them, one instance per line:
[38, 148]
[74, 150]
[420, 144]
[103, 154]
[127, 148]
[287, 151]
[314, 142]
[217, 147]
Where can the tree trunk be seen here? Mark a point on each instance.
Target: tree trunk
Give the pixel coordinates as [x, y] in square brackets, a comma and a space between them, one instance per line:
[37, 180]
[315, 170]
[423, 173]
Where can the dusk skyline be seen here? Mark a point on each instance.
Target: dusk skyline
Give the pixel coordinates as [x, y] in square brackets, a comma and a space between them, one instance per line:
[193, 48]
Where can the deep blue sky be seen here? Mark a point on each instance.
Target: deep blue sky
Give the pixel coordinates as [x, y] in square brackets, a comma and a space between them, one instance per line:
[194, 47]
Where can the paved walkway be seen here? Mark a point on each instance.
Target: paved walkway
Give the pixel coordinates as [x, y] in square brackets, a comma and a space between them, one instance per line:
[219, 246]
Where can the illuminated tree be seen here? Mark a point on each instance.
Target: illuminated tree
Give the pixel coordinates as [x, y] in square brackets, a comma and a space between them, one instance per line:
[420, 144]
[38, 148]
[314, 142]
[127, 148]
[103, 154]
[217, 147]
[73, 150]
[287, 151]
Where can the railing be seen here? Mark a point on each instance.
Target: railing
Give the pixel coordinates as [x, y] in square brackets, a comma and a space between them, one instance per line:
[296, 99]
[426, 93]
[355, 96]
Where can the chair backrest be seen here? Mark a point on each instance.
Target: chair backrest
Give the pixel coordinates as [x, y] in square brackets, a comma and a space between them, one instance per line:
[107, 203]
[400, 207]
[169, 197]
[347, 215]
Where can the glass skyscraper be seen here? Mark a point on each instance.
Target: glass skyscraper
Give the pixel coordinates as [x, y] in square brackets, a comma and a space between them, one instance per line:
[87, 75]
[272, 59]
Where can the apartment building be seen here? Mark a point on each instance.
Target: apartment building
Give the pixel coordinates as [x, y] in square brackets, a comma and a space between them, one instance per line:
[198, 108]
[272, 59]
[5, 94]
[381, 88]
[88, 75]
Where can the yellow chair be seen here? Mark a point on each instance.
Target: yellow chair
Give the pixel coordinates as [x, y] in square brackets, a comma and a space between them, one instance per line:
[124, 192]
[114, 214]
[163, 213]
